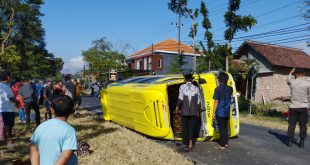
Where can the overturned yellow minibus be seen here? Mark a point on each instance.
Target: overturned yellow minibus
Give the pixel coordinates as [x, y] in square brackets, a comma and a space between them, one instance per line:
[146, 105]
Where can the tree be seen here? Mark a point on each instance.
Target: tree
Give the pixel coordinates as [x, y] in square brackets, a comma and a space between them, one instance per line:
[218, 59]
[178, 7]
[23, 49]
[100, 58]
[193, 31]
[176, 66]
[206, 24]
[234, 23]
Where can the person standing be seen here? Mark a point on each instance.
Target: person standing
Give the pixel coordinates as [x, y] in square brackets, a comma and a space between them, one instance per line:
[189, 105]
[96, 89]
[79, 91]
[298, 109]
[54, 141]
[28, 93]
[58, 89]
[7, 106]
[48, 96]
[38, 90]
[222, 102]
[69, 87]
[19, 99]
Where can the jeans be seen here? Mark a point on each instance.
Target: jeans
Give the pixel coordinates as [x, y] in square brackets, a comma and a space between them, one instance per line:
[35, 107]
[300, 115]
[223, 128]
[21, 114]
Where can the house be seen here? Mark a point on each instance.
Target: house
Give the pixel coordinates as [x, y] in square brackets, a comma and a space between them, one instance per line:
[159, 57]
[269, 82]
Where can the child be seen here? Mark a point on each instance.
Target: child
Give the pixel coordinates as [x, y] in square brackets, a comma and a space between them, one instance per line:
[20, 102]
[54, 141]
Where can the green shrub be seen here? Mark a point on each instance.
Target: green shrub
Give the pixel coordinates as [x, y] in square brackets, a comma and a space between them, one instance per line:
[265, 110]
[244, 104]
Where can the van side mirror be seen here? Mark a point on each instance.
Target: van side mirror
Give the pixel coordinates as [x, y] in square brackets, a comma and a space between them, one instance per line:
[202, 81]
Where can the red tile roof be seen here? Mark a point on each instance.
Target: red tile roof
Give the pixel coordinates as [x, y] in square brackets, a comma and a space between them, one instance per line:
[169, 45]
[279, 55]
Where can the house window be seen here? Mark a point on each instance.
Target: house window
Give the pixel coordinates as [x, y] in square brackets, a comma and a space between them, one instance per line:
[159, 64]
[137, 64]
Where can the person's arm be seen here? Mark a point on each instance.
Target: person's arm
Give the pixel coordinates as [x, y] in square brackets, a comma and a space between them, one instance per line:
[215, 106]
[291, 76]
[64, 158]
[216, 99]
[13, 99]
[180, 100]
[44, 94]
[34, 155]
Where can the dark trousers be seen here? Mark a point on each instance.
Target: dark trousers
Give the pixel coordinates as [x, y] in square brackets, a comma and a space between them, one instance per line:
[300, 115]
[78, 100]
[223, 128]
[35, 107]
[190, 129]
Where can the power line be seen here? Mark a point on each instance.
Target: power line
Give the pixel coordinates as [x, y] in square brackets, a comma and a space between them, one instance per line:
[269, 12]
[287, 30]
[277, 9]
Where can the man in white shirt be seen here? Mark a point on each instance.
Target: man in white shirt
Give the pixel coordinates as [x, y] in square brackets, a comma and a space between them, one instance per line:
[7, 106]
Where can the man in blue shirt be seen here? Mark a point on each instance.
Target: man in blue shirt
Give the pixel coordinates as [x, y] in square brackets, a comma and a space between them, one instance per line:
[222, 101]
[38, 90]
[54, 141]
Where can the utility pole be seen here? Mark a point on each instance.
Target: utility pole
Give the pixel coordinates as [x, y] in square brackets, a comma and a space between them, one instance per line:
[179, 35]
[226, 58]
[193, 43]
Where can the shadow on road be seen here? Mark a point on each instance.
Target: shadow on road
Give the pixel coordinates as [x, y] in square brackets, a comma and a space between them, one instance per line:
[281, 137]
[93, 108]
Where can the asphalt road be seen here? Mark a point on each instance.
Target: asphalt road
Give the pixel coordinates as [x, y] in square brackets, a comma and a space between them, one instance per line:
[254, 146]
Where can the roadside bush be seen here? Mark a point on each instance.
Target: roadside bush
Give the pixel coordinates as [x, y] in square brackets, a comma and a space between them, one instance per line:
[266, 110]
[244, 104]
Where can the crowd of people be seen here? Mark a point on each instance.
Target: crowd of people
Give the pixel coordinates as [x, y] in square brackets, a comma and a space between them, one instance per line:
[60, 99]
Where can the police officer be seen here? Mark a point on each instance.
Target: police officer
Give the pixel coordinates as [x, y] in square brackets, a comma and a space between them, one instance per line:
[298, 109]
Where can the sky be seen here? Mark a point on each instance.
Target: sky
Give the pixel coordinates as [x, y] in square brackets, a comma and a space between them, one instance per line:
[72, 25]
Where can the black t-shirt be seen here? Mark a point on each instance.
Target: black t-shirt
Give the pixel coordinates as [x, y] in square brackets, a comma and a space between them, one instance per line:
[48, 91]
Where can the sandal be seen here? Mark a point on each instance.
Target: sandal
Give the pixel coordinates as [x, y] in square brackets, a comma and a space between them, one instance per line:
[219, 148]
[187, 149]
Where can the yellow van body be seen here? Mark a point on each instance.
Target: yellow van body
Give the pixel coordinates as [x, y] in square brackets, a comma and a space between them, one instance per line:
[142, 104]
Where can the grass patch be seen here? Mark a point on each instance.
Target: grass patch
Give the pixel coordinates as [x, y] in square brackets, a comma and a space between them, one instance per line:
[267, 121]
[110, 143]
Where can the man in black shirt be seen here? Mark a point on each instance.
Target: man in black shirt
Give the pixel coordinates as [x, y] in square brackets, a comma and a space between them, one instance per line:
[48, 96]
[29, 95]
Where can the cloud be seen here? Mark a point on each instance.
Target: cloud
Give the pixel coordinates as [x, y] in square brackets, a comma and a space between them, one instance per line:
[73, 65]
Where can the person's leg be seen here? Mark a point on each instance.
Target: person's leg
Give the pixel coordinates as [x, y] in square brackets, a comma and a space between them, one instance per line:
[225, 132]
[292, 120]
[303, 120]
[37, 112]
[20, 114]
[221, 123]
[27, 111]
[8, 121]
[78, 101]
[185, 130]
[191, 129]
